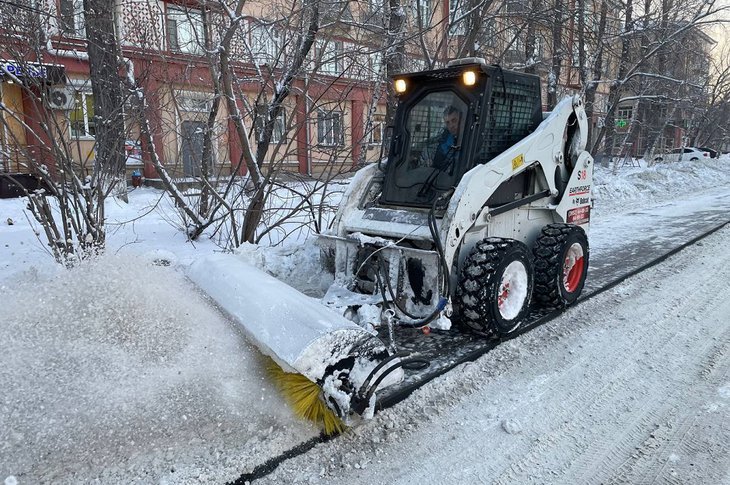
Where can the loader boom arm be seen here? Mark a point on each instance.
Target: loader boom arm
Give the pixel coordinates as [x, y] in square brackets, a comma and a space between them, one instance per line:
[545, 146]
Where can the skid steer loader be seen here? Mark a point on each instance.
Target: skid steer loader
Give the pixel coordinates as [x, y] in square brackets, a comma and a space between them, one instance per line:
[481, 208]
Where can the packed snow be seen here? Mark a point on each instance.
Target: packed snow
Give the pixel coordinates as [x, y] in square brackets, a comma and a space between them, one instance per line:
[119, 370]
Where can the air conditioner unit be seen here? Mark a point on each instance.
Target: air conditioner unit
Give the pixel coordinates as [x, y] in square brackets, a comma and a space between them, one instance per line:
[61, 98]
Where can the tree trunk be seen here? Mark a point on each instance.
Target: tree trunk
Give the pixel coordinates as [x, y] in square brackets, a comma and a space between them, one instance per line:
[592, 86]
[614, 94]
[103, 50]
[558, 54]
[531, 38]
[394, 53]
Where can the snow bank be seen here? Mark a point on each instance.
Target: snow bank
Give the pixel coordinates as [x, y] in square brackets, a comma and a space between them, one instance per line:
[627, 187]
[117, 368]
[298, 265]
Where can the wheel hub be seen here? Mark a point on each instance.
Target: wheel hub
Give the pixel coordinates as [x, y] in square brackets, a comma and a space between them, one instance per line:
[573, 267]
[512, 291]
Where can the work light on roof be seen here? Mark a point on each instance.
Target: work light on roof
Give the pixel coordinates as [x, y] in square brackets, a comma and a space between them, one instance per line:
[470, 78]
[400, 86]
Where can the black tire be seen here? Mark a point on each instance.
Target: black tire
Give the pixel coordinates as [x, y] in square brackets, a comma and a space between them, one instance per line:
[693, 159]
[561, 264]
[483, 295]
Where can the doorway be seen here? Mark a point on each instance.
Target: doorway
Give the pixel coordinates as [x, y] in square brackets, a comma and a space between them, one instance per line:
[192, 133]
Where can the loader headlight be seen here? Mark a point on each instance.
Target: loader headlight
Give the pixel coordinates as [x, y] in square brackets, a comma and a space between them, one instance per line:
[400, 86]
[469, 78]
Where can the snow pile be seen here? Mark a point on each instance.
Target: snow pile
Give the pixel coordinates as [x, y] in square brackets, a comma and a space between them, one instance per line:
[117, 369]
[298, 265]
[626, 187]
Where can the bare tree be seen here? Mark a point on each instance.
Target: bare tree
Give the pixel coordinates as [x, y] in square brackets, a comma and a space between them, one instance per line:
[43, 134]
[683, 21]
[713, 127]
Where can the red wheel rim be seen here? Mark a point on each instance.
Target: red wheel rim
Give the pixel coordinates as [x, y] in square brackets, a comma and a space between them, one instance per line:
[573, 266]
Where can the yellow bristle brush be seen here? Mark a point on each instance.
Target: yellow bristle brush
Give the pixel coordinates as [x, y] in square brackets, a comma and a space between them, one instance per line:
[303, 396]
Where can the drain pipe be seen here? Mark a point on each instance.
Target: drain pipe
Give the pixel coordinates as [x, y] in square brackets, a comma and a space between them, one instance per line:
[307, 128]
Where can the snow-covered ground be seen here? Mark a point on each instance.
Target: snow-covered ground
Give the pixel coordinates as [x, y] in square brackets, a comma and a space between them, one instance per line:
[632, 386]
[118, 370]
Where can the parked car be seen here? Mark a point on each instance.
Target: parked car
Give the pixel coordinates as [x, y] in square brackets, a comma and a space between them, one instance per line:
[713, 153]
[681, 154]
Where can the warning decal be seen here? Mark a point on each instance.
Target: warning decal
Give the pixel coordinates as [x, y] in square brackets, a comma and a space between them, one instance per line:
[579, 215]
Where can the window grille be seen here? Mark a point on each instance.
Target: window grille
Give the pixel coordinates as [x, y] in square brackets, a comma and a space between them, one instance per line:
[511, 115]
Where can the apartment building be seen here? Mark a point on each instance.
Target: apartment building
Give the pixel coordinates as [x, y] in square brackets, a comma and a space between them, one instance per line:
[663, 103]
[334, 110]
[327, 118]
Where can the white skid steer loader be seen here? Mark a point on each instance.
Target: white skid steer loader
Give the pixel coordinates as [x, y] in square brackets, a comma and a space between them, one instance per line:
[482, 207]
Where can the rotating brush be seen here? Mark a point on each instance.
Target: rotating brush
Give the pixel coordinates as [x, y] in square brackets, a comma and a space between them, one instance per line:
[304, 396]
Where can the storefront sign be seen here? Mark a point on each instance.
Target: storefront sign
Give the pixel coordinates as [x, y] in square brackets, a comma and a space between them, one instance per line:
[50, 73]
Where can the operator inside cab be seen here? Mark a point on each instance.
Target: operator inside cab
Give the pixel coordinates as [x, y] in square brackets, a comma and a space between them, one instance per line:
[432, 158]
[447, 150]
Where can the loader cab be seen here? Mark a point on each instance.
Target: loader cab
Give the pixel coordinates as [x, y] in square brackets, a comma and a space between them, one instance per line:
[449, 120]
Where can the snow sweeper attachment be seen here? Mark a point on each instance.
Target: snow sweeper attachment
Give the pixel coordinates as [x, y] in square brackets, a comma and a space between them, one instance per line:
[482, 207]
[327, 366]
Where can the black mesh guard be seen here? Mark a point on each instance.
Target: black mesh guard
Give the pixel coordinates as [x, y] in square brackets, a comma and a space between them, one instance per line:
[513, 112]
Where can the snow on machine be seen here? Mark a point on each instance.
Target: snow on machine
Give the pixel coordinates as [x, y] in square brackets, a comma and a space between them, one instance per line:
[482, 207]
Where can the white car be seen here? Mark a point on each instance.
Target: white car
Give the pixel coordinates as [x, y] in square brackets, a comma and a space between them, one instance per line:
[682, 154]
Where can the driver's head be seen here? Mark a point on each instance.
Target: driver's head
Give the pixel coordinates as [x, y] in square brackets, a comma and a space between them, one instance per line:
[452, 118]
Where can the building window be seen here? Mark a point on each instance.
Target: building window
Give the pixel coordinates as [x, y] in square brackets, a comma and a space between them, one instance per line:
[537, 52]
[516, 48]
[623, 116]
[575, 55]
[489, 34]
[422, 12]
[375, 6]
[185, 31]
[457, 17]
[516, 6]
[375, 137]
[279, 133]
[81, 117]
[375, 64]
[330, 129]
[265, 44]
[194, 102]
[330, 55]
[72, 18]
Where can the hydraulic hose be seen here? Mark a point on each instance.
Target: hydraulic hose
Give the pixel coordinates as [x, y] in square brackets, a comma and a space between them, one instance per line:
[446, 280]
